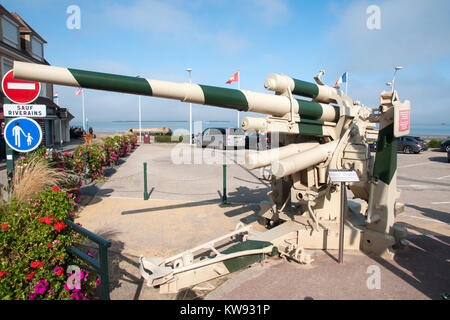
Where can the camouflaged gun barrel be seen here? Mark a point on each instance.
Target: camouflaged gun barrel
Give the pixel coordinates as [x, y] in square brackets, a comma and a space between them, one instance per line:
[300, 161]
[321, 93]
[242, 100]
[264, 158]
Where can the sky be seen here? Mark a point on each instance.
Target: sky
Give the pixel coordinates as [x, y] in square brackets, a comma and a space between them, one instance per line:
[159, 39]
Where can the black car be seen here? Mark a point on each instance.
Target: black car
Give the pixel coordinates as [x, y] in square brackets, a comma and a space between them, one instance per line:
[448, 154]
[445, 144]
[423, 142]
[409, 144]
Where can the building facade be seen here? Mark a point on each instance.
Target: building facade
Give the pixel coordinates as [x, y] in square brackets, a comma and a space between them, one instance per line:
[18, 41]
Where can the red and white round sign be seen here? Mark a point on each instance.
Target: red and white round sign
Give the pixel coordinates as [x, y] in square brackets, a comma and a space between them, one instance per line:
[20, 91]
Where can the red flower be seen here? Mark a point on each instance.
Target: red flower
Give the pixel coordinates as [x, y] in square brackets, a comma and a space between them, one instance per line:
[59, 226]
[4, 225]
[30, 276]
[2, 273]
[36, 264]
[47, 220]
[55, 188]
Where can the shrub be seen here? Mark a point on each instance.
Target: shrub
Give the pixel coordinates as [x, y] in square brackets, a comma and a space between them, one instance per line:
[33, 256]
[91, 156]
[435, 143]
[33, 176]
[58, 164]
[168, 139]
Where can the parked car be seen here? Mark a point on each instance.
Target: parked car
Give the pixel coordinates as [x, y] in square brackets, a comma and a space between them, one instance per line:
[445, 144]
[212, 137]
[235, 138]
[257, 141]
[372, 145]
[448, 154]
[423, 142]
[221, 138]
[409, 144]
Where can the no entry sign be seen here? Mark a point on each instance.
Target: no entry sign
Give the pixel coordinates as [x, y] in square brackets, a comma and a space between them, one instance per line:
[20, 91]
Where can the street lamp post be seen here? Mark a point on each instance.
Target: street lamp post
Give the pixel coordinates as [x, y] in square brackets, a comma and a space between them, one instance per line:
[189, 70]
[393, 79]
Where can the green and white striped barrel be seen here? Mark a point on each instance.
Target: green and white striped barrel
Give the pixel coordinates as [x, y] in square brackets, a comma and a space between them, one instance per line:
[321, 93]
[242, 100]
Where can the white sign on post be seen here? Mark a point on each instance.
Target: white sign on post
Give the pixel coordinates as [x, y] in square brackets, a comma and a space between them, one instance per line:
[343, 175]
[25, 110]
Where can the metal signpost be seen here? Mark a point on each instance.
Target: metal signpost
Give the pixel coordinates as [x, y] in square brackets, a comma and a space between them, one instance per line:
[342, 176]
[22, 135]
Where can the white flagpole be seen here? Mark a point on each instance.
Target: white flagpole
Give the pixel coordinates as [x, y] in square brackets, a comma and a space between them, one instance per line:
[82, 108]
[239, 88]
[346, 84]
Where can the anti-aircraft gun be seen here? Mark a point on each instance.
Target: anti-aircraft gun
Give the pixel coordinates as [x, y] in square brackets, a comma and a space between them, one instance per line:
[327, 131]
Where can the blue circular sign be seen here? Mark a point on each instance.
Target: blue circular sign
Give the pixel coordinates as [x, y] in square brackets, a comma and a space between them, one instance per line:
[23, 134]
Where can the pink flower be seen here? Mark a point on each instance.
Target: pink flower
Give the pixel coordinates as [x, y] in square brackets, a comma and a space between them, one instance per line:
[58, 271]
[41, 287]
[75, 296]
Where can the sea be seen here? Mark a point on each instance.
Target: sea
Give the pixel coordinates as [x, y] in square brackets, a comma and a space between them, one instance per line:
[124, 126]
[424, 130]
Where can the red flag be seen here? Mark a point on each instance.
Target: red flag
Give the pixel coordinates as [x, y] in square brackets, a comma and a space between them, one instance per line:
[235, 77]
[78, 91]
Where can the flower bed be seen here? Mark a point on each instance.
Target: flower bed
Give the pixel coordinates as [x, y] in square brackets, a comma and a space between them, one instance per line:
[34, 263]
[88, 158]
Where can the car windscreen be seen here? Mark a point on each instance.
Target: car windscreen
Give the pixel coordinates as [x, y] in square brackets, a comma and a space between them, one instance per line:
[216, 131]
[236, 131]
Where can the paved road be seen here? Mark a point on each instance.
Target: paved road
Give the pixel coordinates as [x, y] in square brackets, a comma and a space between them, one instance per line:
[183, 173]
[184, 210]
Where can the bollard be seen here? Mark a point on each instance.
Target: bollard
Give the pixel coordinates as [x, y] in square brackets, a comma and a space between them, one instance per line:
[224, 194]
[145, 182]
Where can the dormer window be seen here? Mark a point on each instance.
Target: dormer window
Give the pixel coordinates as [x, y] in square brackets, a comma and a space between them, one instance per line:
[10, 32]
[37, 48]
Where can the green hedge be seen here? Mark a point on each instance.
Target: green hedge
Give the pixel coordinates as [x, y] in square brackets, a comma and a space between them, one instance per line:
[435, 143]
[170, 139]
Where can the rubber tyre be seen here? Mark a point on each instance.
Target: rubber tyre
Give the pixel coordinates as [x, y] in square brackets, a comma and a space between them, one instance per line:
[407, 150]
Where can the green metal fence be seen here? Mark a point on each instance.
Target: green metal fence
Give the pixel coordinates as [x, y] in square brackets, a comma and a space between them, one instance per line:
[100, 267]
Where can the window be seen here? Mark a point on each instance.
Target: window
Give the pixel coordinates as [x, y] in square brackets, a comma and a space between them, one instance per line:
[6, 65]
[10, 32]
[36, 48]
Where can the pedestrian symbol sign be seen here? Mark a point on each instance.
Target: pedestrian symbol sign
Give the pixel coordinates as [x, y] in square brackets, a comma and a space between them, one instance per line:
[23, 134]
